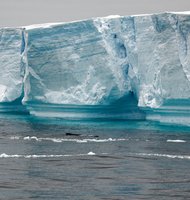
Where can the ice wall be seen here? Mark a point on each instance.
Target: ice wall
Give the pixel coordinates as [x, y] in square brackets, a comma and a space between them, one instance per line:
[72, 64]
[161, 72]
[162, 69]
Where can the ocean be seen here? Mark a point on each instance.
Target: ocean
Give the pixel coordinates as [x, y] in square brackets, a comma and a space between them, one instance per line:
[118, 160]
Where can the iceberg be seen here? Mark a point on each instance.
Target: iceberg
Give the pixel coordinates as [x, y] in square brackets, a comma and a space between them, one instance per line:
[116, 67]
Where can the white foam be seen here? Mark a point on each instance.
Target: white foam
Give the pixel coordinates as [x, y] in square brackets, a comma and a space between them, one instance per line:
[91, 153]
[163, 155]
[31, 138]
[14, 137]
[39, 139]
[177, 141]
[4, 155]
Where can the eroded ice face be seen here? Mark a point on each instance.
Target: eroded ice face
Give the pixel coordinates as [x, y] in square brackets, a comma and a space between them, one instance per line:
[76, 63]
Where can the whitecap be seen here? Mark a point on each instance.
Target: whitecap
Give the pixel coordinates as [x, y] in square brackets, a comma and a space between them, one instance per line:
[59, 140]
[177, 141]
[31, 138]
[4, 155]
[163, 155]
[91, 153]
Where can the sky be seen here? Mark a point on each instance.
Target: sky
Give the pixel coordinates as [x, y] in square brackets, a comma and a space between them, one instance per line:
[26, 12]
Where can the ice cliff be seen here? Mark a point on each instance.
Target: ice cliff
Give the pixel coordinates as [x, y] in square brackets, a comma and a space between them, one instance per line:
[123, 67]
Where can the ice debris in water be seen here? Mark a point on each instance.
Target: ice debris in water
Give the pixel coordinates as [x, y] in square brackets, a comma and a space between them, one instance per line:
[104, 67]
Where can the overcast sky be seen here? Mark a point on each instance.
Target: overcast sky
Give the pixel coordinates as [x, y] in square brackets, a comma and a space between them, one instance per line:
[26, 12]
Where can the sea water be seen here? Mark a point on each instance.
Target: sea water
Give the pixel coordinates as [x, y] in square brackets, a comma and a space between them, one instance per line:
[45, 159]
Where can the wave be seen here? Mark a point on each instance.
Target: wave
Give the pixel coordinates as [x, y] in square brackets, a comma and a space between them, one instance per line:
[4, 155]
[176, 141]
[187, 157]
[39, 139]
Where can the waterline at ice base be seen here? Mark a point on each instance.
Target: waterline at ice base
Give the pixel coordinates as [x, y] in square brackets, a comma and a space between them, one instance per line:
[106, 68]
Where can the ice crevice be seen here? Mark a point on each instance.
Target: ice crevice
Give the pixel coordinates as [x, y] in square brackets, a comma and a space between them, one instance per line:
[118, 67]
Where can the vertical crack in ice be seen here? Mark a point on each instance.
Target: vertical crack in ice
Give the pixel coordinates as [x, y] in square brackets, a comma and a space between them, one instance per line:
[26, 80]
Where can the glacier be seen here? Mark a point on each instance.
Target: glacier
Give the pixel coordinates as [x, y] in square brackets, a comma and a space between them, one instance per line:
[116, 67]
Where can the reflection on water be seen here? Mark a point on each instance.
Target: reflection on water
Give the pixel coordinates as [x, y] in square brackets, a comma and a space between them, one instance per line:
[123, 160]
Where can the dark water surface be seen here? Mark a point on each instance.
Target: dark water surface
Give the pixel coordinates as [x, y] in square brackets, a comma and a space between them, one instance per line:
[90, 161]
